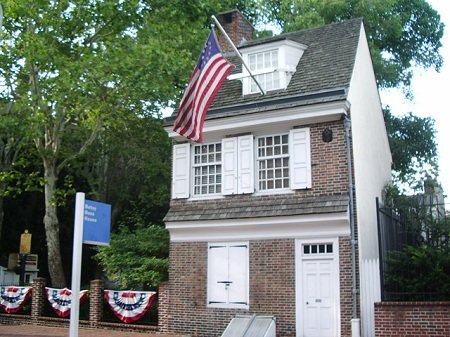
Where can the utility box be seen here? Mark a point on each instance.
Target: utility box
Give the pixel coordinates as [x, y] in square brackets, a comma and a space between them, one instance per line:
[251, 326]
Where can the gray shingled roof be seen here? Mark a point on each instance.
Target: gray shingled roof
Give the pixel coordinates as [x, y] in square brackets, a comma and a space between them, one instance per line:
[323, 73]
[255, 207]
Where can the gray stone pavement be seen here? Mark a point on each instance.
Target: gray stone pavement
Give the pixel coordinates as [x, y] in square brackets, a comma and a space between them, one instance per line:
[43, 331]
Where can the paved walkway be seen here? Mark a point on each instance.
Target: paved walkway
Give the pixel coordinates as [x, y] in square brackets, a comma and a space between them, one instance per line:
[43, 331]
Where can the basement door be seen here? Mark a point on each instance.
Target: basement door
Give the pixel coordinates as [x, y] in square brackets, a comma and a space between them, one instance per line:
[317, 289]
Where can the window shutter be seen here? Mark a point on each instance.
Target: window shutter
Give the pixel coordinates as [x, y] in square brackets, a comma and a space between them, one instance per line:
[300, 158]
[217, 274]
[229, 166]
[245, 164]
[238, 274]
[180, 170]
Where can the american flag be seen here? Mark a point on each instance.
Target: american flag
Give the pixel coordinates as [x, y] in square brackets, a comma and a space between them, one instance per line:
[209, 73]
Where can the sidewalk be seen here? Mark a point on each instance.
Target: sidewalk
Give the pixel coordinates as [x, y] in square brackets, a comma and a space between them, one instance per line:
[43, 331]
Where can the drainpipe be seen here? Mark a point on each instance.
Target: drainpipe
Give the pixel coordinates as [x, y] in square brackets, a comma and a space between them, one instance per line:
[355, 324]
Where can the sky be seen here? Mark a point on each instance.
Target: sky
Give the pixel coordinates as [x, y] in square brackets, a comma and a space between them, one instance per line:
[431, 92]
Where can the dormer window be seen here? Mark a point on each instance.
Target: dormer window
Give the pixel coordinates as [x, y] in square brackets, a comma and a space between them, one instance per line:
[264, 64]
[272, 64]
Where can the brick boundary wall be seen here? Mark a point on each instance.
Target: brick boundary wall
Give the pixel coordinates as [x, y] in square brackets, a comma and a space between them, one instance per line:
[95, 312]
[412, 319]
[96, 301]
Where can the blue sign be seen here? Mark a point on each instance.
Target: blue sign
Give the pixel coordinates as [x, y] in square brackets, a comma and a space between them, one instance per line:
[96, 223]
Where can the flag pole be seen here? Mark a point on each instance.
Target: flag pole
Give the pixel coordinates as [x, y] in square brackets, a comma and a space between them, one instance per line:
[237, 52]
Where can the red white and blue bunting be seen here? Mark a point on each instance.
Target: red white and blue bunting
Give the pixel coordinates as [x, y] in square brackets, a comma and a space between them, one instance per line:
[60, 300]
[12, 299]
[129, 305]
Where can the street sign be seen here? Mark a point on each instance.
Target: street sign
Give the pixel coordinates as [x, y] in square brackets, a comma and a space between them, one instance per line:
[91, 225]
[25, 242]
[96, 223]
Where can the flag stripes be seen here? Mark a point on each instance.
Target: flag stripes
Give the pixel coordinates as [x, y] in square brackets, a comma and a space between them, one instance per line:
[208, 76]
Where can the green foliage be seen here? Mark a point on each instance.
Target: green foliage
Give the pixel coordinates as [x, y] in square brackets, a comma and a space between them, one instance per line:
[401, 33]
[136, 257]
[419, 270]
[413, 147]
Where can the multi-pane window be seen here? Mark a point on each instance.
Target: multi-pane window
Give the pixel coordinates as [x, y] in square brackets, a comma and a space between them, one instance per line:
[267, 60]
[273, 162]
[207, 169]
[320, 248]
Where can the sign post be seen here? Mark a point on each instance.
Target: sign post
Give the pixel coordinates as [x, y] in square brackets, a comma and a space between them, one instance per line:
[24, 250]
[76, 264]
[92, 225]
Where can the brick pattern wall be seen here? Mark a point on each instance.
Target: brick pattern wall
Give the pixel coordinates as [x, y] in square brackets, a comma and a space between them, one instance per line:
[272, 282]
[328, 168]
[412, 319]
[272, 288]
[328, 160]
[163, 307]
[37, 297]
[237, 27]
[96, 301]
[345, 277]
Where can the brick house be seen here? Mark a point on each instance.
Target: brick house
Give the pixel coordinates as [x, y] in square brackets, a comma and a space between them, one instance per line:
[261, 217]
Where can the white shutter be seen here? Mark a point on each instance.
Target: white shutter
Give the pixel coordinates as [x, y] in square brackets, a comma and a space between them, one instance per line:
[229, 166]
[245, 165]
[300, 158]
[238, 274]
[180, 170]
[217, 274]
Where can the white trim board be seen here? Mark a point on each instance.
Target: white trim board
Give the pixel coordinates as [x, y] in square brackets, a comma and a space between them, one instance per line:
[282, 227]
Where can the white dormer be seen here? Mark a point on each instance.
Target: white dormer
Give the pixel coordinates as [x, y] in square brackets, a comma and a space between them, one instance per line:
[272, 64]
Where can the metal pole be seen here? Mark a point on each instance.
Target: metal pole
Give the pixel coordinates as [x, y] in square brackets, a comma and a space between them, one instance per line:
[237, 52]
[354, 241]
[23, 262]
[76, 264]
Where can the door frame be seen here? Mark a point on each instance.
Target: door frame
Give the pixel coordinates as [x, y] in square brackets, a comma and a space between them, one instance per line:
[299, 317]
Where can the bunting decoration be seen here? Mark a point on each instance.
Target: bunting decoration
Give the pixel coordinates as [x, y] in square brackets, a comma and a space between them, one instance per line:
[129, 305]
[12, 299]
[60, 300]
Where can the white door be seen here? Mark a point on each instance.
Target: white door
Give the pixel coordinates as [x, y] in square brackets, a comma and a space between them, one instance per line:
[317, 289]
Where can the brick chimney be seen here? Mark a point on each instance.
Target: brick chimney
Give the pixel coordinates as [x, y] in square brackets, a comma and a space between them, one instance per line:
[237, 27]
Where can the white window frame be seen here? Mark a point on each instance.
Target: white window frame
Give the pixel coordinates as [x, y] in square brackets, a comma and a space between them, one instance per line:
[228, 275]
[265, 71]
[282, 156]
[207, 164]
[239, 169]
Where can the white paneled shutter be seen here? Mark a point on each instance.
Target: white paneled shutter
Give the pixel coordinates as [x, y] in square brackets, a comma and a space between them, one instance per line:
[229, 166]
[228, 274]
[238, 165]
[246, 170]
[180, 170]
[300, 158]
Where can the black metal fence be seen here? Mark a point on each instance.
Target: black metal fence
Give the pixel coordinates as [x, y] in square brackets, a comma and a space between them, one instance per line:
[412, 237]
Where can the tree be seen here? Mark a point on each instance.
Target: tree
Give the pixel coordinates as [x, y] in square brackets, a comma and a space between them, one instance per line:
[123, 259]
[70, 67]
[413, 147]
[402, 34]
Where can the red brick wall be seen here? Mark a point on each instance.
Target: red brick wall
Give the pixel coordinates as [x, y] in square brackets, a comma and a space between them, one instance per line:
[238, 28]
[412, 319]
[272, 288]
[345, 277]
[328, 160]
[328, 168]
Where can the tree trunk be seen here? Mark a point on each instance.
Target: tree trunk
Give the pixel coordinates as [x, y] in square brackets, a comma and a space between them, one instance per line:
[51, 222]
